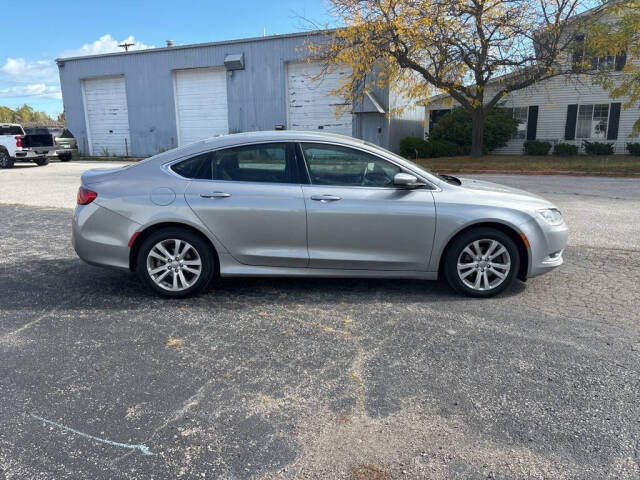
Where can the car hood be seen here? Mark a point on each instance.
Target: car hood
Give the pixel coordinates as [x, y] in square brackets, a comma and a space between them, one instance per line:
[503, 194]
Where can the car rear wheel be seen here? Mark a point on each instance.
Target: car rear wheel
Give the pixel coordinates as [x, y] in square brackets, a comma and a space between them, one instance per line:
[41, 162]
[5, 160]
[64, 157]
[481, 262]
[176, 263]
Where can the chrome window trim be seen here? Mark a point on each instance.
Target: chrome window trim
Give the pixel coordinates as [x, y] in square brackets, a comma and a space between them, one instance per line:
[166, 167]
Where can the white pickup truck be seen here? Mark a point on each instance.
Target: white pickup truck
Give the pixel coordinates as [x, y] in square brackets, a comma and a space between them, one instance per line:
[17, 146]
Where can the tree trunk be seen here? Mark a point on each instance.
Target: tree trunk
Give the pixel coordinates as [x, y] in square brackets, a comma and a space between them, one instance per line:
[477, 133]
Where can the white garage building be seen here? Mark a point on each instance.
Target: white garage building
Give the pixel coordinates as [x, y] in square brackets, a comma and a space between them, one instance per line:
[146, 101]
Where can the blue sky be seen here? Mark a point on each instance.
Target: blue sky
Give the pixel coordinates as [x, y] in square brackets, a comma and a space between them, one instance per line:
[28, 73]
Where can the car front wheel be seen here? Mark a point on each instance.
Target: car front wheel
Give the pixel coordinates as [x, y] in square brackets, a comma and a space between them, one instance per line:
[176, 263]
[481, 262]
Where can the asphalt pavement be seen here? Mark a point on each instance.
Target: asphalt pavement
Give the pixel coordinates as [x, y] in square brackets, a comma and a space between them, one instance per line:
[302, 378]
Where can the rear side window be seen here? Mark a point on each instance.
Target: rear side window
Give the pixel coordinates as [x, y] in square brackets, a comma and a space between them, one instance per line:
[11, 130]
[265, 163]
[192, 167]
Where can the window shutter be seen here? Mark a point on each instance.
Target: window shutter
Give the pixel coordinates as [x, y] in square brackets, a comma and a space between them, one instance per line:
[621, 60]
[614, 121]
[570, 126]
[532, 122]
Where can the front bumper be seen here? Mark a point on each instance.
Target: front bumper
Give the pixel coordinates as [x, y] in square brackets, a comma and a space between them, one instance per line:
[101, 237]
[546, 246]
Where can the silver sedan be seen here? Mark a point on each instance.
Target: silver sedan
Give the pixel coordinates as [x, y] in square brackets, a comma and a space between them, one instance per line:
[309, 204]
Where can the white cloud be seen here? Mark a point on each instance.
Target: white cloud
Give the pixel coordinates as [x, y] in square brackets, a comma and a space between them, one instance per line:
[20, 77]
[40, 90]
[105, 44]
[19, 69]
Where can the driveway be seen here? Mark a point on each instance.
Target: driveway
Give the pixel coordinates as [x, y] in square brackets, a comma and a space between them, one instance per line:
[301, 378]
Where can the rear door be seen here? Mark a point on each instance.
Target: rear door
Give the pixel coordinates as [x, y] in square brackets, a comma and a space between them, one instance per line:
[250, 197]
[357, 218]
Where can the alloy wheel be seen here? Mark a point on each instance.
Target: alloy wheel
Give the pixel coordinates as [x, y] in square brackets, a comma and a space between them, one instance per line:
[484, 264]
[174, 264]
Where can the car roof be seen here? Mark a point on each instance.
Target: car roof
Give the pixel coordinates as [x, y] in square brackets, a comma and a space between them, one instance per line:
[233, 139]
[283, 135]
[237, 139]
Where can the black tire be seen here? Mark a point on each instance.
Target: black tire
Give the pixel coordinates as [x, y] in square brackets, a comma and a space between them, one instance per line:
[64, 157]
[461, 242]
[41, 162]
[5, 160]
[203, 249]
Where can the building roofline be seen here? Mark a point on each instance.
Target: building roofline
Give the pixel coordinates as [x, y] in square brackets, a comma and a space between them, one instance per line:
[310, 33]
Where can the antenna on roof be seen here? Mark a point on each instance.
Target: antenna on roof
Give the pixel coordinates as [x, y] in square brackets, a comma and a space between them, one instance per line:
[126, 46]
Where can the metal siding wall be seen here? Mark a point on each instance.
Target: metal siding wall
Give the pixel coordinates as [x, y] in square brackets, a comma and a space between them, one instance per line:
[256, 95]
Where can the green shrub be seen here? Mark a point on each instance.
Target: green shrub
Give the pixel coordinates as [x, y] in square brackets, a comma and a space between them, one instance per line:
[634, 148]
[536, 147]
[445, 148]
[457, 126]
[598, 148]
[565, 149]
[415, 147]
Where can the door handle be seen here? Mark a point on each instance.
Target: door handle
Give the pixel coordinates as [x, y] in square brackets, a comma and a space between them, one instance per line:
[215, 195]
[325, 198]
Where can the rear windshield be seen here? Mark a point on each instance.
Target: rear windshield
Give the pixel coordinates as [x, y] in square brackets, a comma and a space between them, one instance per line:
[66, 134]
[11, 130]
[36, 131]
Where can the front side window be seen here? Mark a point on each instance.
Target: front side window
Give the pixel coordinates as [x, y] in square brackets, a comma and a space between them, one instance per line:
[592, 121]
[336, 165]
[267, 163]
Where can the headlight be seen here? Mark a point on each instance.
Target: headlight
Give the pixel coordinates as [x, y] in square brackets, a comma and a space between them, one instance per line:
[551, 215]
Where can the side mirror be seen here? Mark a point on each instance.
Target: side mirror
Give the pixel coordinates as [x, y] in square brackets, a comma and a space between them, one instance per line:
[407, 180]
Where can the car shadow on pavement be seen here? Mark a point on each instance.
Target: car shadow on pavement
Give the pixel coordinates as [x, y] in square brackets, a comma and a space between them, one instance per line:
[48, 282]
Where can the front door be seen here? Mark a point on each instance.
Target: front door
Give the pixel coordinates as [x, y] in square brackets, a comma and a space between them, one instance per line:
[251, 199]
[358, 219]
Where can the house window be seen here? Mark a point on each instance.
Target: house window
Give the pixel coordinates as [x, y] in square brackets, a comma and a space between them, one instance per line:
[521, 114]
[583, 62]
[592, 121]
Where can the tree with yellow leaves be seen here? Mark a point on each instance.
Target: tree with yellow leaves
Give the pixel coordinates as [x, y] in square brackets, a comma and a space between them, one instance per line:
[615, 31]
[476, 51]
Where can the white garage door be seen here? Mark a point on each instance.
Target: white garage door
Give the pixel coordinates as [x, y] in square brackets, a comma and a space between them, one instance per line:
[310, 104]
[105, 103]
[201, 104]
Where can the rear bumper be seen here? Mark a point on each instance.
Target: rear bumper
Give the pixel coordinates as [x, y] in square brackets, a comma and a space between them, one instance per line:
[61, 150]
[547, 245]
[26, 155]
[100, 236]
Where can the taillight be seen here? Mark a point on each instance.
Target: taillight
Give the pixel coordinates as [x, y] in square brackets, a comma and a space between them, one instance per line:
[86, 196]
[55, 142]
[18, 142]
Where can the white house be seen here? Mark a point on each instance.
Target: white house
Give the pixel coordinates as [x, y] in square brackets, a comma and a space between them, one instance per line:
[568, 108]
